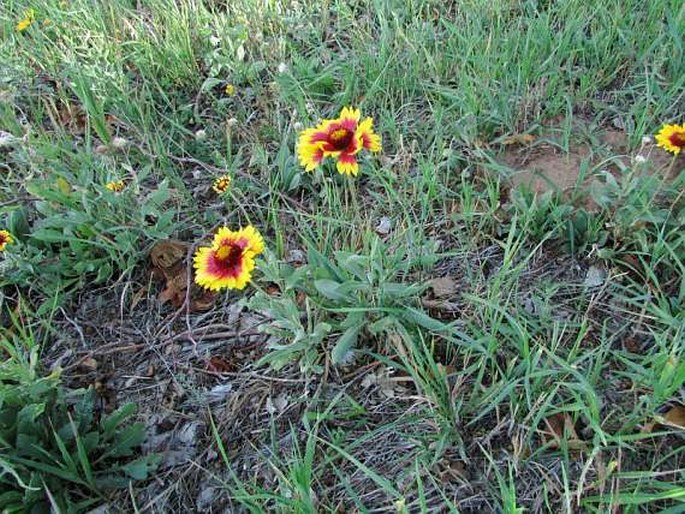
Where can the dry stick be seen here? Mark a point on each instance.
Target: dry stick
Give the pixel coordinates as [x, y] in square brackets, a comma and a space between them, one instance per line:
[186, 301]
[208, 337]
[97, 353]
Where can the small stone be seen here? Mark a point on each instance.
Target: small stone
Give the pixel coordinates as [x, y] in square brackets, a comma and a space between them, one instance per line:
[296, 256]
[7, 140]
[595, 276]
[384, 225]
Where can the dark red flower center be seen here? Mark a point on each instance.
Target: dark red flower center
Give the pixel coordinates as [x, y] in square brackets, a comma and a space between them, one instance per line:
[3, 239]
[677, 139]
[340, 138]
[229, 258]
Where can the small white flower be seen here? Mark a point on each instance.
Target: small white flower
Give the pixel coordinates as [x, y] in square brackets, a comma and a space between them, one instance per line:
[298, 126]
[646, 140]
[282, 67]
[201, 135]
[640, 159]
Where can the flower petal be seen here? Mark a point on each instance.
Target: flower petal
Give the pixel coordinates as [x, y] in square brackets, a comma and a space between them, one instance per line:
[347, 165]
[255, 241]
[370, 140]
[349, 114]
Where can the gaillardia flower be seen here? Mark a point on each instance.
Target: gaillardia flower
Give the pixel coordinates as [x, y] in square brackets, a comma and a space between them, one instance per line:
[29, 18]
[116, 186]
[222, 184]
[229, 262]
[5, 239]
[342, 139]
[671, 138]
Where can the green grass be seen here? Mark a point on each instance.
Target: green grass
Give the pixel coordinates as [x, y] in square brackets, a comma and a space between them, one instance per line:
[388, 395]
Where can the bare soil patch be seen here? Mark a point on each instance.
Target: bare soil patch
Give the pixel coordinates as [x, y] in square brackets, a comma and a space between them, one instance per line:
[542, 165]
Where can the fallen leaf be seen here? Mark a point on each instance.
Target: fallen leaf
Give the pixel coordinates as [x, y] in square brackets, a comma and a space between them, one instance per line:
[168, 264]
[89, 364]
[167, 253]
[519, 139]
[674, 418]
[440, 305]
[273, 290]
[218, 364]
[443, 287]
[201, 301]
[557, 427]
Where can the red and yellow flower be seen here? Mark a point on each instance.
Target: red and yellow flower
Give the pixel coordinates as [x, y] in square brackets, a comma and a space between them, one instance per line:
[671, 138]
[229, 262]
[5, 239]
[222, 184]
[342, 138]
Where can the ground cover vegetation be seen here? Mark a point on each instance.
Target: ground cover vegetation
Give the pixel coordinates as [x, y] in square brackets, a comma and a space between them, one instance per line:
[342, 256]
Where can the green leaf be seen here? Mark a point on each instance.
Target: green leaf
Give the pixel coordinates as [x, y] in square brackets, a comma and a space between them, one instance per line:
[126, 441]
[210, 83]
[422, 319]
[345, 344]
[139, 469]
[330, 289]
[112, 422]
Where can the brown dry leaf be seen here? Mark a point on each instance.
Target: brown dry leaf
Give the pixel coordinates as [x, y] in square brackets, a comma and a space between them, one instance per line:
[273, 290]
[168, 261]
[519, 139]
[202, 300]
[440, 305]
[89, 364]
[560, 426]
[167, 253]
[443, 287]
[173, 295]
[218, 364]
[674, 418]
